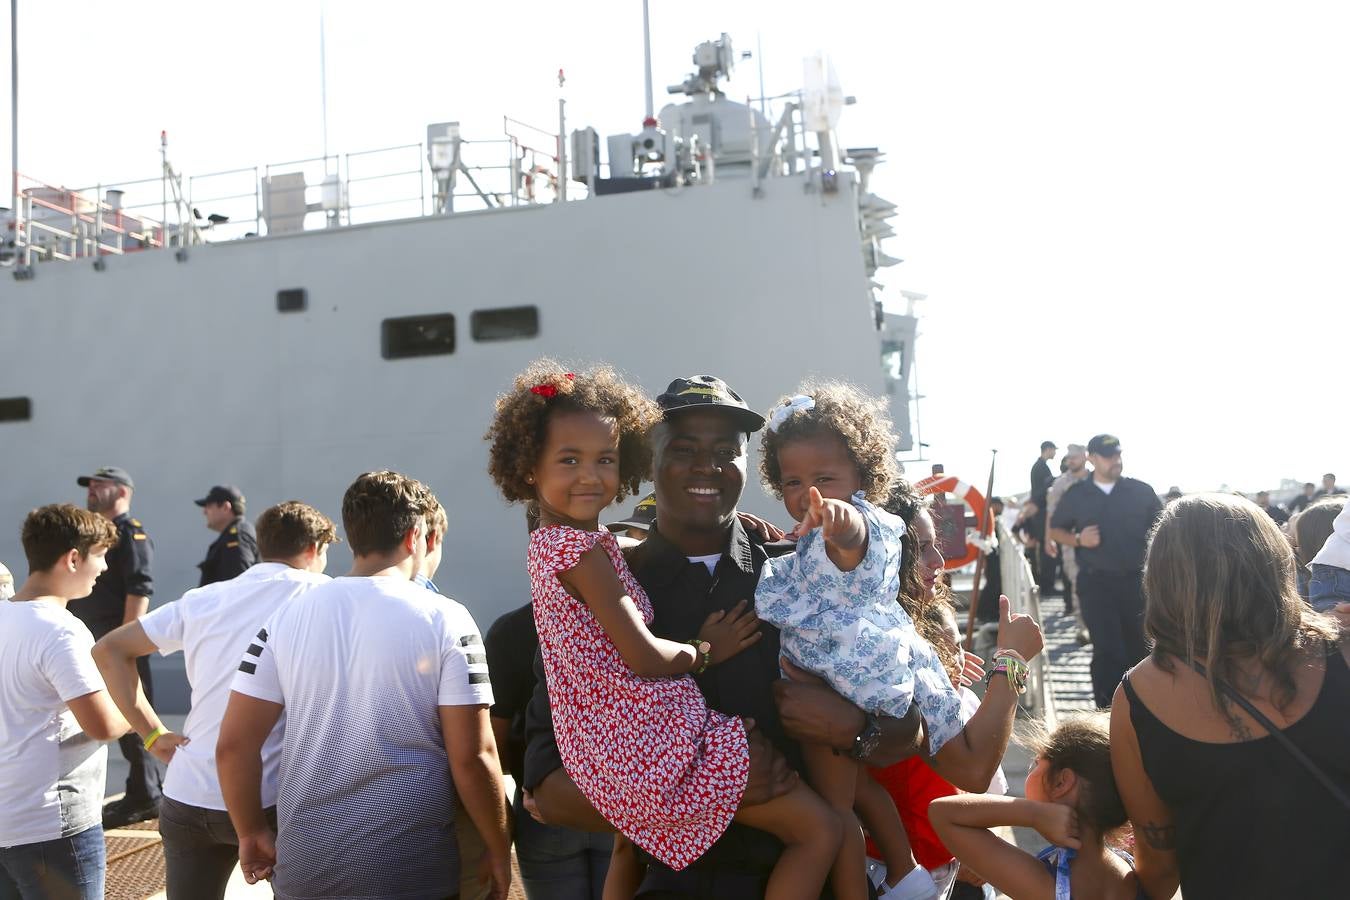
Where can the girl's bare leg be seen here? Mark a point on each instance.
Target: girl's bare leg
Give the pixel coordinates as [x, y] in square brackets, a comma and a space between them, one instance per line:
[809, 831]
[877, 811]
[835, 778]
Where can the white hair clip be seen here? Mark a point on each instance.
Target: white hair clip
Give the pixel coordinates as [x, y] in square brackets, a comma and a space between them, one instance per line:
[789, 406]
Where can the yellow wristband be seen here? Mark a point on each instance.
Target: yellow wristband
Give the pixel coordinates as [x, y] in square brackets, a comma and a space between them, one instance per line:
[154, 736]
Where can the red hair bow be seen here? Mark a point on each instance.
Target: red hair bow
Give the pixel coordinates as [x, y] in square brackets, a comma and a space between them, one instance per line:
[548, 391]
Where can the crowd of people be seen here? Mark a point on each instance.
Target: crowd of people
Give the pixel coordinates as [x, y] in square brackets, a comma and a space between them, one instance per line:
[694, 704]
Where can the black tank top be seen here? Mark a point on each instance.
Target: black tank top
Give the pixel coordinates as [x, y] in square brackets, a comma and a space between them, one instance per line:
[1251, 820]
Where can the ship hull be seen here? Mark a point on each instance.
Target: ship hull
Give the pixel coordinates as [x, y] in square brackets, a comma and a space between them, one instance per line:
[183, 371]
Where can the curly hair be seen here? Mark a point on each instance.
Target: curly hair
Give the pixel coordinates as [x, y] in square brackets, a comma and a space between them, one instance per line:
[928, 612]
[520, 425]
[845, 412]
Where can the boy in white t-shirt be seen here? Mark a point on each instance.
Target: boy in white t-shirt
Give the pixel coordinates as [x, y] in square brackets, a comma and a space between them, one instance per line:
[212, 625]
[385, 689]
[54, 712]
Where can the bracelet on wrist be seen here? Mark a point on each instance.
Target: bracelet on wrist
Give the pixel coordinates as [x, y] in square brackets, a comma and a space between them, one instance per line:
[703, 651]
[1017, 672]
[154, 736]
[1006, 651]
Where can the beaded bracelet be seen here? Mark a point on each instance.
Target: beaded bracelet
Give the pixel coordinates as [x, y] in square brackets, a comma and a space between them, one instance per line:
[1016, 671]
[704, 650]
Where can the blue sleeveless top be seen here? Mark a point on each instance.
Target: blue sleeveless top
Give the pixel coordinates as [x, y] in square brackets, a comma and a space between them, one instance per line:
[1057, 859]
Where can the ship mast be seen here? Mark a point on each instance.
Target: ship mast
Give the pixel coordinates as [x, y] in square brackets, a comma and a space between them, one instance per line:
[647, 57]
[14, 121]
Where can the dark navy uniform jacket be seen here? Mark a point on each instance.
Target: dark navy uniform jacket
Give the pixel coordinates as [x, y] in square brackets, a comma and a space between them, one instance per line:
[128, 573]
[230, 554]
[1125, 516]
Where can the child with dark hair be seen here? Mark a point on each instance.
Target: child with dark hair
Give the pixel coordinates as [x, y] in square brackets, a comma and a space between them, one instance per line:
[829, 454]
[1071, 799]
[632, 727]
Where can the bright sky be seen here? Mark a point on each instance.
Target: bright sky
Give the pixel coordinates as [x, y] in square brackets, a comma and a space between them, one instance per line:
[1127, 218]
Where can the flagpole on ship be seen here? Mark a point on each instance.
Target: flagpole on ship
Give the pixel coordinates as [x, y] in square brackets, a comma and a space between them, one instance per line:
[14, 125]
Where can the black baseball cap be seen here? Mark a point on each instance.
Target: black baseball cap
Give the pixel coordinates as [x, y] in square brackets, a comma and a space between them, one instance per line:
[644, 514]
[1048, 445]
[708, 392]
[106, 473]
[222, 493]
[1104, 445]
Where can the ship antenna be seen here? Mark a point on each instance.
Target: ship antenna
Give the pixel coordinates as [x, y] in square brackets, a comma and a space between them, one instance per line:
[759, 58]
[647, 55]
[14, 119]
[323, 82]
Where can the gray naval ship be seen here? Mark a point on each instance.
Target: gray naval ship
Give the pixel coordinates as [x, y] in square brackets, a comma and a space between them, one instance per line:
[284, 328]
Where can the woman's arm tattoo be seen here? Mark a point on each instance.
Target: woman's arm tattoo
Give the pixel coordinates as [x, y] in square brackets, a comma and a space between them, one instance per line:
[1159, 837]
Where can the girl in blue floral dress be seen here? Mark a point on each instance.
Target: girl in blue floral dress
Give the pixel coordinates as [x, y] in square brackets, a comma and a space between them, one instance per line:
[830, 456]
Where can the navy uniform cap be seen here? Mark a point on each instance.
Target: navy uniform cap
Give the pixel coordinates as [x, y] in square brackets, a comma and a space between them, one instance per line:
[1104, 445]
[644, 514]
[708, 392]
[222, 493]
[106, 473]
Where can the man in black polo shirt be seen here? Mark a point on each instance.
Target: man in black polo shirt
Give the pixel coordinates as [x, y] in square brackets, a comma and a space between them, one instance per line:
[1107, 519]
[122, 595]
[698, 558]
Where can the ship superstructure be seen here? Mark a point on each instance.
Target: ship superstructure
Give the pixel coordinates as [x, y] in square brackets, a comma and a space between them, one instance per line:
[276, 329]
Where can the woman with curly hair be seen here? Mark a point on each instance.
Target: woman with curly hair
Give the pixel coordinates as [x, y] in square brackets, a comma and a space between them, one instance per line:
[829, 454]
[632, 727]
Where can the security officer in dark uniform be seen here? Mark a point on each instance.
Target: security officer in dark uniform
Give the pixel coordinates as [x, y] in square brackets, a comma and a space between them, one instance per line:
[122, 594]
[237, 547]
[1107, 520]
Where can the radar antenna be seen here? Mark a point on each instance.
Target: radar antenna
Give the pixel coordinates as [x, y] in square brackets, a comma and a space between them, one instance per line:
[715, 60]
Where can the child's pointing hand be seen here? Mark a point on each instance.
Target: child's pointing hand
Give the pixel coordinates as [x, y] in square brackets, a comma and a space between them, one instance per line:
[840, 524]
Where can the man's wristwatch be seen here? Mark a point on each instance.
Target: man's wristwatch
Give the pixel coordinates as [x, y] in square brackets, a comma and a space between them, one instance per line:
[866, 740]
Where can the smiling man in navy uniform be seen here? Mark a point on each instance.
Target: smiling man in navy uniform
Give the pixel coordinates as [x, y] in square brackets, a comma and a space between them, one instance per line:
[121, 595]
[237, 547]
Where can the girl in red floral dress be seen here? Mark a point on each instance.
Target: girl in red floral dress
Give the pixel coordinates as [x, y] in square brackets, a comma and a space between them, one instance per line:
[633, 730]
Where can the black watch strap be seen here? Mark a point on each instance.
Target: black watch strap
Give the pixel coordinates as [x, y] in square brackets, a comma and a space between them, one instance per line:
[866, 740]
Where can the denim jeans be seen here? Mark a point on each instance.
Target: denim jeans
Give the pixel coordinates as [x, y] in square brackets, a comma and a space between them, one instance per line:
[69, 868]
[1329, 584]
[200, 849]
[560, 863]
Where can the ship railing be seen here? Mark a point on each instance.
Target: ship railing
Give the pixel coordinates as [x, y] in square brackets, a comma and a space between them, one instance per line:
[524, 167]
[60, 223]
[1024, 596]
[535, 162]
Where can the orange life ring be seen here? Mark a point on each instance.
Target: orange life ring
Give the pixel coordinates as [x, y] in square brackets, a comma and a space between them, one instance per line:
[534, 173]
[950, 484]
